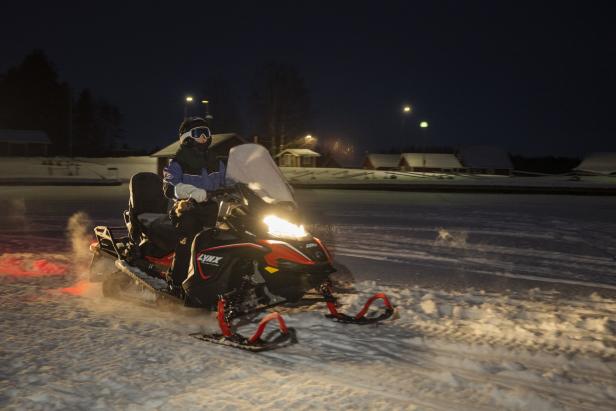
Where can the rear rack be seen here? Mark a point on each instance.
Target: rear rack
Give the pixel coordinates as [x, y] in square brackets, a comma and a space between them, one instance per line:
[110, 237]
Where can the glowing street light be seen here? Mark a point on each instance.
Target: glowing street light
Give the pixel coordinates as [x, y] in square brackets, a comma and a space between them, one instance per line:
[424, 124]
[188, 100]
[308, 138]
[407, 110]
[206, 103]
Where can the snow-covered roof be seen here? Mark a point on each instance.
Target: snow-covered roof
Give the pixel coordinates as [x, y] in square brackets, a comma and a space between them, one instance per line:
[299, 152]
[24, 136]
[488, 157]
[598, 163]
[430, 160]
[384, 160]
[172, 148]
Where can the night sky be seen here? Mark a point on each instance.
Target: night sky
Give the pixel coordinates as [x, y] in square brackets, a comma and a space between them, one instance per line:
[535, 78]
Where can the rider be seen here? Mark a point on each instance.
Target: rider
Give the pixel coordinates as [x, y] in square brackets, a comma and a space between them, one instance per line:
[188, 178]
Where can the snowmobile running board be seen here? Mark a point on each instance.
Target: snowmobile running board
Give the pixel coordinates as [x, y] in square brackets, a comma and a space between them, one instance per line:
[231, 338]
[360, 318]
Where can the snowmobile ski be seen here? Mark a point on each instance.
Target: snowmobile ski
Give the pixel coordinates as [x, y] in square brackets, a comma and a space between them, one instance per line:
[255, 343]
[237, 341]
[360, 318]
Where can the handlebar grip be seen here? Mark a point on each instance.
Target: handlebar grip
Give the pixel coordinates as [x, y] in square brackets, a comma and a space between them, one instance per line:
[220, 191]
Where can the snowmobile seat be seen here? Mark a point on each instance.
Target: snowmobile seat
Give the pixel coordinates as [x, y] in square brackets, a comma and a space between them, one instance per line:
[159, 230]
[148, 219]
[147, 212]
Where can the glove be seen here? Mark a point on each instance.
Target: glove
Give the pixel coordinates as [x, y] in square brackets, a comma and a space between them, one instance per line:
[183, 206]
[184, 191]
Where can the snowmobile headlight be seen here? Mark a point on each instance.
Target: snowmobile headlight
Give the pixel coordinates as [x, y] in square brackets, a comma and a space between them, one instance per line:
[279, 227]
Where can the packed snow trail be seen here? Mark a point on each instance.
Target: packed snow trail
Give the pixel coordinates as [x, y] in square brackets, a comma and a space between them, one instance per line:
[503, 302]
[67, 347]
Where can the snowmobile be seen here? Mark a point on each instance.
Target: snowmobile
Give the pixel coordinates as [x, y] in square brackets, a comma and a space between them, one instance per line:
[257, 256]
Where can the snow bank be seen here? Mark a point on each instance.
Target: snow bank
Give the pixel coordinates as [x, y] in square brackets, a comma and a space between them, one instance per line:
[74, 169]
[305, 176]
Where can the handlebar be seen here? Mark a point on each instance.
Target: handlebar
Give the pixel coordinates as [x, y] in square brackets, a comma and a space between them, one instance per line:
[221, 191]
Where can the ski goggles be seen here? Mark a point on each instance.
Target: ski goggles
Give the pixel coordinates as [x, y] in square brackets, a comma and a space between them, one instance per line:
[197, 132]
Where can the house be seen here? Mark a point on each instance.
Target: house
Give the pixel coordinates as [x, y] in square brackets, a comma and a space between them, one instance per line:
[221, 144]
[486, 160]
[24, 143]
[333, 159]
[603, 163]
[297, 157]
[382, 162]
[430, 162]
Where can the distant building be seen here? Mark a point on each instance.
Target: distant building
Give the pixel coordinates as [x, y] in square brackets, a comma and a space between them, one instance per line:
[221, 144]
[329, 160]
[297, 157]
[598, 164]
[338, 159]
[382, 162]
[430, 162]
[24, 143]
[486, 160]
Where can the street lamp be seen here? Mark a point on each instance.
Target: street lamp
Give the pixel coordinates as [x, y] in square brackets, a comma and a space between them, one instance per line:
[207, 108]
[407, 110]
[189, 100]
[424, 126]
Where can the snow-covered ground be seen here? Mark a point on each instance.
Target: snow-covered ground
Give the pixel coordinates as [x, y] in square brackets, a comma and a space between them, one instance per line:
[332, 176]
[48, 170]
[503, 302]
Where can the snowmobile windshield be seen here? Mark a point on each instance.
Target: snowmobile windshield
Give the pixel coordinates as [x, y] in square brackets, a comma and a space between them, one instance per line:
[252, 165]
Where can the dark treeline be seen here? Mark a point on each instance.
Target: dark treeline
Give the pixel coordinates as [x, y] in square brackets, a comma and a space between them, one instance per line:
[280, 106]
[276, 108]
[77, 123]
[420, 149]
[546, 165]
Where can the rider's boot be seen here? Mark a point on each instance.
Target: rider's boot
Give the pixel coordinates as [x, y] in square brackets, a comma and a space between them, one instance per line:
[179, 268]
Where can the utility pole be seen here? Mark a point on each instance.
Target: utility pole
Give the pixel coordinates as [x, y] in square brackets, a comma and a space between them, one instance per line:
[188, 100]
[208, 116]
[424, 127]
[406, 111]
[70, 121]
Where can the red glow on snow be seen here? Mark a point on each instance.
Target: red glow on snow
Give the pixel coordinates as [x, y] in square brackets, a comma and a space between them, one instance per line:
[20, 266]
[77, 289]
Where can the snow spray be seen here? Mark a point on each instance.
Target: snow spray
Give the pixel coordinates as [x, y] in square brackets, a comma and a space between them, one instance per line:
[326, 233]
[78, 231]
[452, 239]
[15, 212]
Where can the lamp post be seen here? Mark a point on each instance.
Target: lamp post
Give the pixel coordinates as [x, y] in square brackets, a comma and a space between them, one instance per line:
[70, 123]
[206, 103]
[299, 142]
[189, 100]
[407, 110]
[424, 127]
